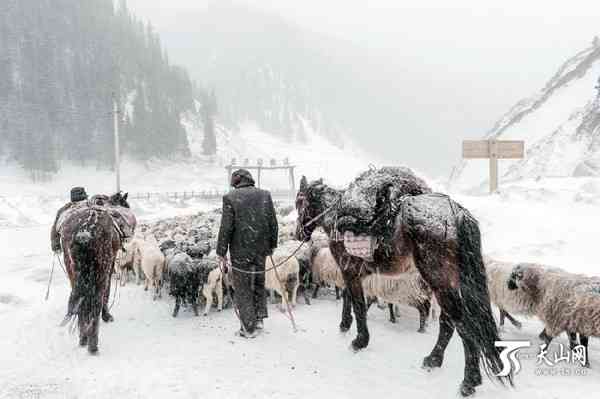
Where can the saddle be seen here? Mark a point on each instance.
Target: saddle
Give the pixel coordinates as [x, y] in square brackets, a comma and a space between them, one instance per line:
[123, 218]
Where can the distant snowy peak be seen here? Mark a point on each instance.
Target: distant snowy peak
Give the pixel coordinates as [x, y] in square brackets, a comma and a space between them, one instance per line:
[560, 125]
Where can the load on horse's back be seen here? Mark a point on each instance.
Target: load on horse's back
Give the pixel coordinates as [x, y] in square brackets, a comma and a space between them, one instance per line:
[388, 222]
[90, 233]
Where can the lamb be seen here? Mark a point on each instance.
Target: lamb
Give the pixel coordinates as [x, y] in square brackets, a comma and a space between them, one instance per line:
[407, 288]
[285, 278]
[149, 259]
[508, 301]
[563, 301]
[325, 270]
[125, 262]
[213, 283]
[185, 278]
[306, 257]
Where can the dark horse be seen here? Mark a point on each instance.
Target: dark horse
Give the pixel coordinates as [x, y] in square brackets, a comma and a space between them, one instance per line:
[91, 234]
[442, 240]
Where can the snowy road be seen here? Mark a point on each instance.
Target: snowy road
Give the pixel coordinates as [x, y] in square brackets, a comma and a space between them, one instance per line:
[148, 354]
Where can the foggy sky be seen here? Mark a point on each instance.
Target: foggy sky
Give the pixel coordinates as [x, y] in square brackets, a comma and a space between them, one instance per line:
[473, 59]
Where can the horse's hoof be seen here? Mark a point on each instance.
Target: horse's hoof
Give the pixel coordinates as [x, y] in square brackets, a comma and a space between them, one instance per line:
[204, 314]
[83, 341]
[422, 330]
[107, 317]
[393, 321]
[344, 329]
[93, 350]
[432, 361]
[360, 342]
[466, 389]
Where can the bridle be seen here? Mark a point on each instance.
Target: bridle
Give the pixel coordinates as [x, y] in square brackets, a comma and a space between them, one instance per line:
[302, 214]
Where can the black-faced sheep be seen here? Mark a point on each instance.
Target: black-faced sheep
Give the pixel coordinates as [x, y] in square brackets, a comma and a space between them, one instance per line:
[563, 301]
[509, 302]
[184, 277]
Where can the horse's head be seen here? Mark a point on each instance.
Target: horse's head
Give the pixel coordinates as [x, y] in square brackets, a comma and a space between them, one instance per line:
[119, 199]
[309, 204]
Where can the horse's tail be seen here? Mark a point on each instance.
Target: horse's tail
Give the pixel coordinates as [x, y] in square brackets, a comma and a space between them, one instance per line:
[478, 321]
[86, 296]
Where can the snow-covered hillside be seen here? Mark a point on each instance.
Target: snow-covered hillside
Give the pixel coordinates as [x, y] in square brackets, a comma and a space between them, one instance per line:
[314, 155]
[27, 203]
[560, 126]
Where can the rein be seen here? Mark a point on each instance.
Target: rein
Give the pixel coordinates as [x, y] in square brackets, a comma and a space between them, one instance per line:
[274, 267]
[322, 214]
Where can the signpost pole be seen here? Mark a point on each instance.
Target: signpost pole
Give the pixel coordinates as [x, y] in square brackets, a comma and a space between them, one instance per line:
[493, 166]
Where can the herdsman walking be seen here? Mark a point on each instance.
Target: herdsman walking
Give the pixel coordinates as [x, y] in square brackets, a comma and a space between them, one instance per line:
[249, 231]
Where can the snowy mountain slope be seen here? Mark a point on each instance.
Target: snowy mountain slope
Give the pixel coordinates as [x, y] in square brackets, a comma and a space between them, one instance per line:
[559, 125]
[25, 203]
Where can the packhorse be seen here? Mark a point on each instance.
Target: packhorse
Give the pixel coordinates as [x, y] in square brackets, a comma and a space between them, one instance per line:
[91, 234]
[439, 237]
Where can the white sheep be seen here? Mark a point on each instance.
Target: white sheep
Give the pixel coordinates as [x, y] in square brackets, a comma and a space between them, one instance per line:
[509, 302]
[406, 288]
[213, 285]
[285, 278]
[325, 270]
[151, 261]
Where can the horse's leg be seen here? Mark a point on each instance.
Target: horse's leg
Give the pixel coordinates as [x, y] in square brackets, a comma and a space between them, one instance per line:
[337, 293]
[472, 375]
[93, 334]
[83, 338]
[106, 316]
[392, 314]
[354, 287]
[177, 306]
[436, 357]
[423, 308]
[346, 311]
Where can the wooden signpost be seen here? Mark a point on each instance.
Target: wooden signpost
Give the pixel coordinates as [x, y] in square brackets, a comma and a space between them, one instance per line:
[493, 150]
[259, 167]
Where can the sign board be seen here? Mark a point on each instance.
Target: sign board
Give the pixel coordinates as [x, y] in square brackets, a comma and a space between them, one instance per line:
[493, 150]
[480, 149]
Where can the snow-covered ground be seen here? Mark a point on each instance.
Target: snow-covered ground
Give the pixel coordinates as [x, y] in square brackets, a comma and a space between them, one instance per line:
[146, 353]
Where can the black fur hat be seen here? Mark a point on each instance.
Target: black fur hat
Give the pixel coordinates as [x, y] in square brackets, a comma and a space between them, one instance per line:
[78, 194]
[241, 178]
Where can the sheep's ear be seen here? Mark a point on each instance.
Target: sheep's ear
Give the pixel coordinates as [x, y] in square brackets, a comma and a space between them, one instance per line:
[125, 196]
[303, 184]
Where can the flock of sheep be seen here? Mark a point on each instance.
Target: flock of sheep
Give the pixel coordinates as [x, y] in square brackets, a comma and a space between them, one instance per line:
[179, 252]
